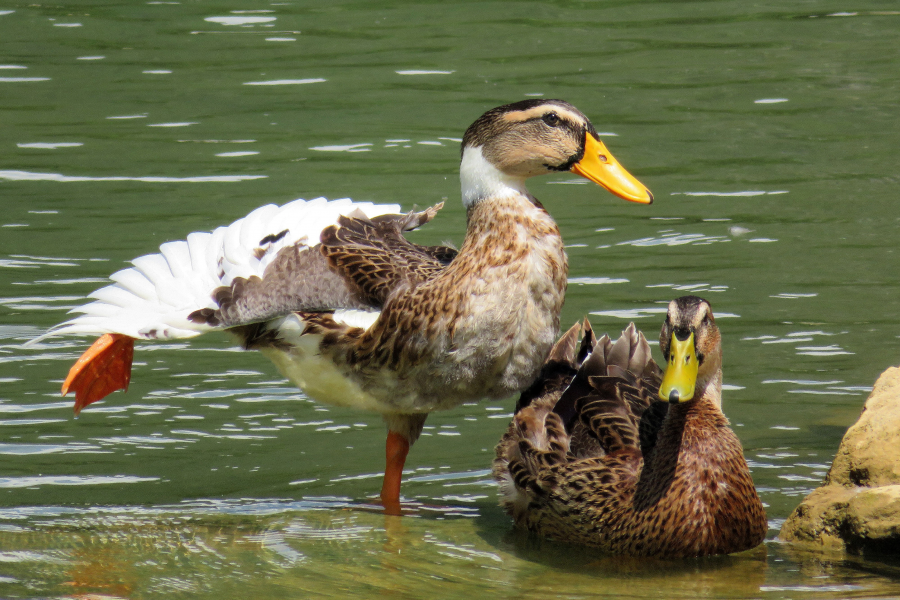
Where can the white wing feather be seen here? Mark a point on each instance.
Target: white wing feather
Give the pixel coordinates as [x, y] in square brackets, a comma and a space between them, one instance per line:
[153, 299]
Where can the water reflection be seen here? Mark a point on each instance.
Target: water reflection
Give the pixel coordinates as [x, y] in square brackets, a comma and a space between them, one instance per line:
[741, 194]
[210, 548]
[424, 72]
[231, 21]
[38, 481]
[49, 145]
[673, 238]
[802, 337]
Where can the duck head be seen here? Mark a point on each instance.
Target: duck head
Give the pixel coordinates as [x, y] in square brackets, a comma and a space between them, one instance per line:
[692, 347]
[511, 143]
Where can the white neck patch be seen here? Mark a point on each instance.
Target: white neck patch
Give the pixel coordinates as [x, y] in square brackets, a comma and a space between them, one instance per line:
[480, 179]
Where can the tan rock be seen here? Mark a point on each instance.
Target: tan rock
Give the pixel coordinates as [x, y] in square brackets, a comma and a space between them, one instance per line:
[858, 507]
[869, 454]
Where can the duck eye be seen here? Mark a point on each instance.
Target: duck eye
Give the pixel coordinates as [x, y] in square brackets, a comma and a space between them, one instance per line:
[551, 119]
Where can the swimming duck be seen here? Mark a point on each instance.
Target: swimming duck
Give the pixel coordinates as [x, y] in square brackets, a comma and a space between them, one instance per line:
[352, 312]
[606, 451]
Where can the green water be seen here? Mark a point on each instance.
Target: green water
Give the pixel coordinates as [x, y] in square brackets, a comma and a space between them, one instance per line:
[766, 130]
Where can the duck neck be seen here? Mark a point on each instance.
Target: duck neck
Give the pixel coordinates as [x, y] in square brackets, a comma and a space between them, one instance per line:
[504, 221]
[708, 399]
[689, 425]
[689, 433]
[513, 228]
[510, 281]
[479, 179]
[709, 391]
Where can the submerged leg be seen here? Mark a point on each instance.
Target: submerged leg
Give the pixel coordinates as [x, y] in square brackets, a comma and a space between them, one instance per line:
[403, 431]
[104, 368]
[396, 449]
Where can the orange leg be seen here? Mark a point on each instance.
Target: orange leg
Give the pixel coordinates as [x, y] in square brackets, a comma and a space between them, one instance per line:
[396, 449]
[104, 368]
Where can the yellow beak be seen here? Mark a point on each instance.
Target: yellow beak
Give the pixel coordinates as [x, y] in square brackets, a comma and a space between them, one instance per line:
[599, 166]
[681, 373]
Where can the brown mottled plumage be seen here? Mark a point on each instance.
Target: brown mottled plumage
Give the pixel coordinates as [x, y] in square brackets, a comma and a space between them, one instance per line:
[460, 323]
[355, 314]
[452, 327]
[356, 265]
[598, 459]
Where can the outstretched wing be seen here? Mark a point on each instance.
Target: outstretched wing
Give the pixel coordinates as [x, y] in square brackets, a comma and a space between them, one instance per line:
[156, 298]
[353, 264]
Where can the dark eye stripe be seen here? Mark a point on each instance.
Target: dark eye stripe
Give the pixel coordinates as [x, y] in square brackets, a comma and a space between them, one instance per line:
[576, 128]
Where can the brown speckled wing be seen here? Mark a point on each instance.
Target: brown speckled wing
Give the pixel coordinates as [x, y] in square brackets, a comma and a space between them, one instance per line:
[609, 416]
[540, 461]
[376, 260]
[325, 277]
[559, 368]
[298, 279]
[609, 395]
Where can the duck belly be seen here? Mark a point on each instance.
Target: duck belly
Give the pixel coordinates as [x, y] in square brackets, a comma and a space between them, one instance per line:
[319, 377]
[302, 359]
[489, 356]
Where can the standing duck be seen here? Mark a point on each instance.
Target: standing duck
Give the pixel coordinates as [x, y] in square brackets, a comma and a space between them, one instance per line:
[352, 312]
[607, 452]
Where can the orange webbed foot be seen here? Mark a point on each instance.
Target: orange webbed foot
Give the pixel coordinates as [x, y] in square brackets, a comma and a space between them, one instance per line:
[104, 368]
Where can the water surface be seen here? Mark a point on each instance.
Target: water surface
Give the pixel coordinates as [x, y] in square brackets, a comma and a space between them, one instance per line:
[766, 132]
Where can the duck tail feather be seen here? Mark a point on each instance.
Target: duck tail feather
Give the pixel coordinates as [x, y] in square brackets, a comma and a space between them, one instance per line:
[588, 341]
[563, 351]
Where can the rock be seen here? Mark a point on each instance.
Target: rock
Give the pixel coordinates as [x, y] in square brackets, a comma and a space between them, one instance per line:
[858, 507]
[869, 454]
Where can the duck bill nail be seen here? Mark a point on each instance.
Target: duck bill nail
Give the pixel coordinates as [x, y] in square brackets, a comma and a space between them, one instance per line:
[681, 372]
[599, 166]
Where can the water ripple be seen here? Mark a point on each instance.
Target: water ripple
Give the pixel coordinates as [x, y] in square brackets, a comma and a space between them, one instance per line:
[748, 193]
[231, 21]
[676, 239]
[285, 81]
[31, 176]
[423, 72]
[35, 449]
[49, 145]
[596, 280]
[37, 481]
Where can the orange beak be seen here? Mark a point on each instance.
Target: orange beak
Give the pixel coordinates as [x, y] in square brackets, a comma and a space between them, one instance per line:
[599, 166]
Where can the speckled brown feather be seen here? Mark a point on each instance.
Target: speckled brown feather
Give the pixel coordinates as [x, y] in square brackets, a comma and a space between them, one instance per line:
[443, 328]
[557, 372]
[452, 335]
[280, 291]
[376, 260]
[639, 476]
[357, 265]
